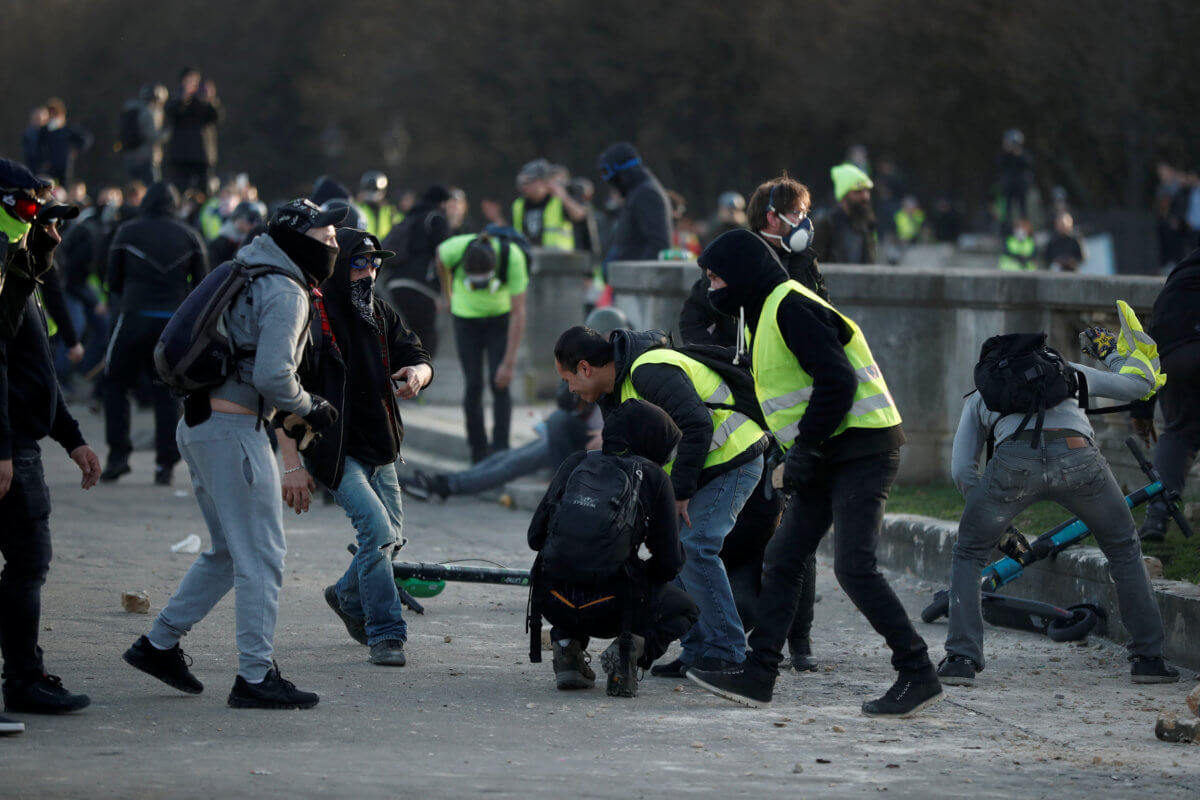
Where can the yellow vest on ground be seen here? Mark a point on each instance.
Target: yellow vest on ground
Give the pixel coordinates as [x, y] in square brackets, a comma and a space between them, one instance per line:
[784, 388]
[1018, 254]
[558, 233]
[733, 431]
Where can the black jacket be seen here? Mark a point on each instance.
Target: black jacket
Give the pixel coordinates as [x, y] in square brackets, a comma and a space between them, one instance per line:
[20, 274]
[635, 429]
[643, 226]
[415, 241]
[1176, 316]
[155, 259]
[815, 334]
[353, 372]
[62, 145]
[193, 125]
[31, 404]
[838, 239]
[669, 388]
[700, 323]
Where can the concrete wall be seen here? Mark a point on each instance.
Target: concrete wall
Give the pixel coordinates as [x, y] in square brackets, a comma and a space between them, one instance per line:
[925, 327]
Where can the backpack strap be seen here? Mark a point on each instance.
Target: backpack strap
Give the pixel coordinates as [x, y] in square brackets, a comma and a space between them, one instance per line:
[1083, 400]
[502, 267]
[533, 611]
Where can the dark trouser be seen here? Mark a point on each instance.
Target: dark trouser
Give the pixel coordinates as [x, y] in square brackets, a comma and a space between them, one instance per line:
[25, 544]
[145, 171]
[130, 355]
[190, 175]
[743, 556]
[661, 617]
[420, 313]
[475, 338]
[565, 433]
[1180, 438]
[851, 495]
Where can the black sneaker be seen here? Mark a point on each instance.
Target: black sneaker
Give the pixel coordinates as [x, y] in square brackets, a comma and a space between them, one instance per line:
[163, 475]
[9, 727]
[956, 670]
[42, 695]
[622, 682]
[672, 669]
[357, 628]
[423, 486]
[909, 694]
[571, 670]
[169, 666]
[114, 470]
[1153, 530]
[388, 653]
[273, 692]
[746, 684]
[803, 662]
[1152, 669]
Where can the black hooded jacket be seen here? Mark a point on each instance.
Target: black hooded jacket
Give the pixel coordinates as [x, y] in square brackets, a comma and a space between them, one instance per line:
[700, 323]
[156, 259]
[415, 241]
[643, 227]
[669, 388]
[351, 365]
[638, 429]
[815, 335]
[1176, 317]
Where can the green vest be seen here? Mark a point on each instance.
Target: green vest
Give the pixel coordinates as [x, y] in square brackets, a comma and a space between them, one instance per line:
[908, 225]
[210, 219]
[381, 220]
[557, 231]
[733, 432]
[1018, 254]
[784, 388]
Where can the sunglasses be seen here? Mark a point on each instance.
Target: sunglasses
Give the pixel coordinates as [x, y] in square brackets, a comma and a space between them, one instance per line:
[23, 207]
[366, 262]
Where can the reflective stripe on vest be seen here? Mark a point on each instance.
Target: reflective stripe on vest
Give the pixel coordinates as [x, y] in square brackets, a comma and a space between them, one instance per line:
[733, 432]
[1140, 351]
[557, 231]
[1018, 254]
[380, 221]
[784, 388]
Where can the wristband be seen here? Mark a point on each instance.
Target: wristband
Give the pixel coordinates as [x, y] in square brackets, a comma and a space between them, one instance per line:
[293, 469]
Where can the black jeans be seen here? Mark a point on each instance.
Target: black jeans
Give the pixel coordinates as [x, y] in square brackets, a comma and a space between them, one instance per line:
[420, 313]
[475, 339]
[663, 615]
[190, 175]
[25, 545]
[851, 496]
[1180, 438]
[130, 355]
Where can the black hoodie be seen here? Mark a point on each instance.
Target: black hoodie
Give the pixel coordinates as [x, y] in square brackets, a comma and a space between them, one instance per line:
[643, 227]
[355, 375]
[815, 335]
[1176, 317]
[636, 428]
[669, 388]
[156, 259]
[415, 241]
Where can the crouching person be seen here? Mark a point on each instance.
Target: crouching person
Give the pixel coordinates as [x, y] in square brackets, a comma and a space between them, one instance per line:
[588, 579]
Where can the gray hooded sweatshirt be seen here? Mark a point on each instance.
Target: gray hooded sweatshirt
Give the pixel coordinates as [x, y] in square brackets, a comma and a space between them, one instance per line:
[271, 319]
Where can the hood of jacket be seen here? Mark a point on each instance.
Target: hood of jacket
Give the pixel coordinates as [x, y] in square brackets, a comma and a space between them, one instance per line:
[262, 250]
[336, 289]
[326, 189]
[628, 345]
[749, 267]
[628, 179]
[642, 429]
[161, 198]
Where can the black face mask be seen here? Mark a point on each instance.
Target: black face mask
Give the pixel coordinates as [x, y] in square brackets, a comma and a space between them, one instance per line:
[723, 300]
[315, 259]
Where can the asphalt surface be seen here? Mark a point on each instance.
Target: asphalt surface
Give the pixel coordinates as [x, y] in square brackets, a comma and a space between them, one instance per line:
[470, 716]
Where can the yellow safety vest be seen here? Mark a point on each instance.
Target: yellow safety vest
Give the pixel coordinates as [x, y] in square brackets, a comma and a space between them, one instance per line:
[784, 388]
[380, 221]
[1018, 254]
[558, 233]
[908, 226]
[1140, 351]
[733, 431]
[210, 219]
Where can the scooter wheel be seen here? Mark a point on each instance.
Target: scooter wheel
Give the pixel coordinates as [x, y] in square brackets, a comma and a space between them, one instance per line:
[1076, 627]
[939, 608]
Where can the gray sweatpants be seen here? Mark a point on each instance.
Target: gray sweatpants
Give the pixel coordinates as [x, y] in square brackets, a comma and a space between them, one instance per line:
[236, 482]
[1079, 480]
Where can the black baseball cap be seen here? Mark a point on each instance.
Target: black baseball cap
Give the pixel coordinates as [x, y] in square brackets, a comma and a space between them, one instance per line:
[369, 246]
[17, 176]
[303, 214]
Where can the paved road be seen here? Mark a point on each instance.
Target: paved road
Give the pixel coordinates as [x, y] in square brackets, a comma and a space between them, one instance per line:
[470, 716]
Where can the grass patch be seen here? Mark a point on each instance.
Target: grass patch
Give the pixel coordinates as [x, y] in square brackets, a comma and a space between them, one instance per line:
[1180, 556]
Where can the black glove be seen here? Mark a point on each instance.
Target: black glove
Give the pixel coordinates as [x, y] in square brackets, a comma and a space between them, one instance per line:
[307, 429]
[321, 415]
[801, 467]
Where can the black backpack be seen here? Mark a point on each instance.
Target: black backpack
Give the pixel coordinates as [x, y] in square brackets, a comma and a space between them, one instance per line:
[598, 521]
[129, 127]
[195, 352]
[508, 235]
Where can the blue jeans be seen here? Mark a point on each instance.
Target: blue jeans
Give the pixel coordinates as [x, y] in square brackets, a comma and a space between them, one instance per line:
[713, 510]
[565, 433]
[370, 496]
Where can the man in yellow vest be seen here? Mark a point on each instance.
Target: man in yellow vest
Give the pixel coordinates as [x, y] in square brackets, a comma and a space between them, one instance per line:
[372, 200]
[1019, 249]
[544, 212]
[825, 400]
[717, 465]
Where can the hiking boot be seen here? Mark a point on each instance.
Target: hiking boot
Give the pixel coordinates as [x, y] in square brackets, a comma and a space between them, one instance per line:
[672, 669]
[1152, 669]
[114, 470]
[747, 683]
[273, 692]
[169, 666]
[571, 670]
[956, 670]
[388, 653]
[163, 475]
[911, 692]
[803, 662]
[8, 727]
[622, 682]
[44, 694]
[1153, 530]
[423, 486]
[357, 628]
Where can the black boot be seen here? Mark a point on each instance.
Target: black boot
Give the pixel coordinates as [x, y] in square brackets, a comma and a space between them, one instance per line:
[911, 692]
[114, 469]
[622, 682]
[571, 670]
[273, 692]
[169, 666]
[43, 694]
